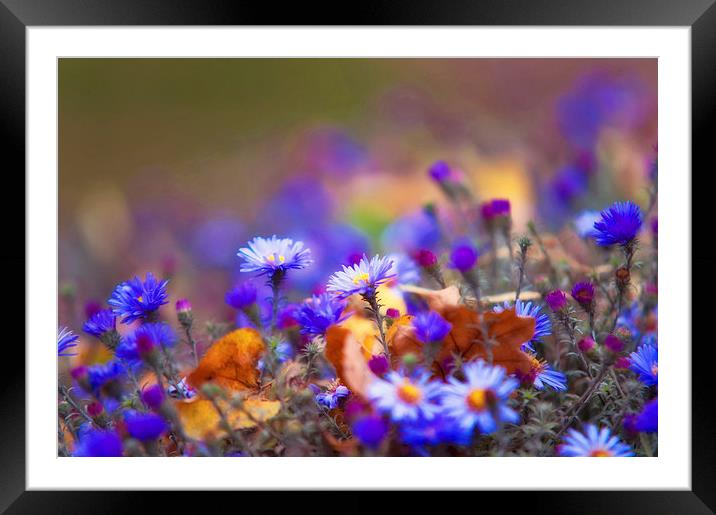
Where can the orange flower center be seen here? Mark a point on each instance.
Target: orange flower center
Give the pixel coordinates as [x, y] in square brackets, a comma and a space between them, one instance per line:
[477, 399]
[655, 369]
[600, 453]
[409, 393]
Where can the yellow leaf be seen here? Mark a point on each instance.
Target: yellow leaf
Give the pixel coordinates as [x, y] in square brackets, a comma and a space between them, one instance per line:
[200, 419]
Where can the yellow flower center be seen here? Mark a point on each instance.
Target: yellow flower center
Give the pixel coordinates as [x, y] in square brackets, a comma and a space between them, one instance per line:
[360, 278]
[272, 258]
[600, 453]
[140, 298]
[409, 393]
[477, 399]
[655, 369]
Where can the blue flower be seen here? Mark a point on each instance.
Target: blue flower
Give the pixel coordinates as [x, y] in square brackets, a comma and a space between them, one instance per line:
[648, 420]
[619, 224]
[98, 443]
[135, 299]
[436, 431]
[645, 363]
[241, 296]
[66, 339]
[406, 397]
[159, 333]
[144, 426]
[282, 352]
[103, 374]
[320, 312]
[331, 398]
[482, 399]
[593, 443]
[430, 327]
[370, 430]
[274, 256]
[102, 322]
[363, 277]
[404, 269]
[543, 324]
[544, 376]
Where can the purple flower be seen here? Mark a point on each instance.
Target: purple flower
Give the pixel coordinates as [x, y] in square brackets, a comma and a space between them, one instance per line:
[183, 306]
[648, 420]
[436, 431]
[135, 299]
[362, 278]
[463, 257]
[594, 443]
[613, 343]
[320, 312]
[440, 171]
[430, 327]
[379, 365]
[556, 300]
[619, 224]
[102, 322]
[270, 256]
[66, 339]
[241, 296]
[98, 443]
[583, 293]
[153, 396]
[144, 426]
[494, 208]
[331, 398]
[426, 258]
[370, 430]
[586, 344]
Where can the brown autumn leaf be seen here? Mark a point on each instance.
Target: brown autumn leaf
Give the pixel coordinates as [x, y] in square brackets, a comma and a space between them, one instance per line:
[231, 361]
[506, 330]
[200, 419]
[346, 355]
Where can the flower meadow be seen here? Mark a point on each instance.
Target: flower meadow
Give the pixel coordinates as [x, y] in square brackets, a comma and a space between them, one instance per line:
[478, 340]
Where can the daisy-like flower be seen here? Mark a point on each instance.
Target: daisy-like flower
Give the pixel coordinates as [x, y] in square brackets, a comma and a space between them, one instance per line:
[362, 278]
[101, 375]
[645, 363]
[430, 327]
[543, 324]
[406, 397]
[542, 375]
[102, 322]
[320, 312]
[619, 224]
[583, 293]
[159, 333]
[435, 431]
[482, 399]
[595, 443]
[135, 299]
[66, 339]
[271, 256]
[556, 300]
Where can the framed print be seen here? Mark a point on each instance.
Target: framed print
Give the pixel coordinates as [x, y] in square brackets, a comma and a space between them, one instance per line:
[416, 252]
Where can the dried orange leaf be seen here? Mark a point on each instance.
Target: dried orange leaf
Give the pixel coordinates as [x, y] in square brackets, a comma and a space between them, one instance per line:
[437, 300]
[346, 355]
[231, 361]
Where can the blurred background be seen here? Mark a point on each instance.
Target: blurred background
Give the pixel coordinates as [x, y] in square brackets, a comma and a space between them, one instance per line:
[171, 165]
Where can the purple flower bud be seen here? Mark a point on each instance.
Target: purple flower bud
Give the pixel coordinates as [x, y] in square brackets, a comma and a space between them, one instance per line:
[392, 313]
[183, 306]
[440, 171]
[379, 365]
[494, 208]
[613, 343]
[94, 409]
[556, 300]
[622, 363]
[463, 257]
[586, 344]
[426, 258]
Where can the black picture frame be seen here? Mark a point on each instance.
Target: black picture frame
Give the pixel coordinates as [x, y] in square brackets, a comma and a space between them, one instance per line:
[16, 15]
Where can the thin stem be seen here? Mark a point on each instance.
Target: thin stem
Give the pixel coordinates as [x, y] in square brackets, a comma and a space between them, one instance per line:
[192, 344]
[66, 395]
[372, 299]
